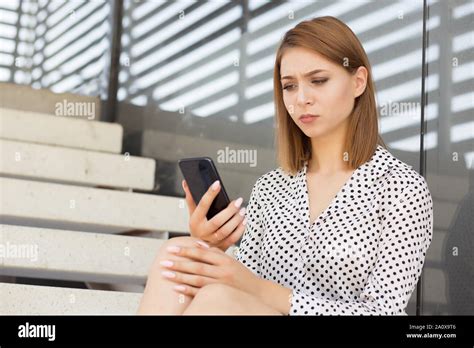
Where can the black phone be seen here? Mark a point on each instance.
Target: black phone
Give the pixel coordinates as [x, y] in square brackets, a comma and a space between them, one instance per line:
[200, 173]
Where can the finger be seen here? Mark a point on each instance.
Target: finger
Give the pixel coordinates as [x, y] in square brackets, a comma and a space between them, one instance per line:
[189, 198]
[222, 217]
[232, 238]
[205, 246]
[205, 203]
[229, 226]
[186, 289]
[199, 254]
[187, 279]
[192, 267]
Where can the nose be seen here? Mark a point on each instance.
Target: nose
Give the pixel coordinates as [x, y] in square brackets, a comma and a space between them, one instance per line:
[304, 96]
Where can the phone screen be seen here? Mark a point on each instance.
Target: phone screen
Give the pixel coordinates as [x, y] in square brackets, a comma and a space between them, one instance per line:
[200, 173]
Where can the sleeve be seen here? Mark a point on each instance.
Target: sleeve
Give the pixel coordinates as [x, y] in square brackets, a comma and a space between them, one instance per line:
[249, 249]
[407, 230]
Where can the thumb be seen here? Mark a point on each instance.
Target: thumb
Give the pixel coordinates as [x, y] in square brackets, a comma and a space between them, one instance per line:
[189, 198]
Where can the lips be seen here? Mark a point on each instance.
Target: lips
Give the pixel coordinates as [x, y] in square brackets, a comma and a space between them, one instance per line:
[307, 117]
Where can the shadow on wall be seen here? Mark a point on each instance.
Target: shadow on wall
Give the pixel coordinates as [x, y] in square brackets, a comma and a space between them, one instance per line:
[460, 257]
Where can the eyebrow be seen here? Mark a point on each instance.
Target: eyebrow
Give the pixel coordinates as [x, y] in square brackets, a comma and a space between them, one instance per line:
[307, 74]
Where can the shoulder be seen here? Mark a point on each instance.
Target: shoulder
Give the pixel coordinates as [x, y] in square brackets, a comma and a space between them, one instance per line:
[272, 181]
[274, 176]
[403, 180]
[403, 175]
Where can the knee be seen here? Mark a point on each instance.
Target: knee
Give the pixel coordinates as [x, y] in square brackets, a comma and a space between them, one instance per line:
[216, 293]
[163, 254]
[212, 299]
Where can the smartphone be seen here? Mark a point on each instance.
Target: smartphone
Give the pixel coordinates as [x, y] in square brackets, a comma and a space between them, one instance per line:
[200, 173]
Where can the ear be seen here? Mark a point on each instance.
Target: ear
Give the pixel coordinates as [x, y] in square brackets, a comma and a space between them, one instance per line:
[360, 80]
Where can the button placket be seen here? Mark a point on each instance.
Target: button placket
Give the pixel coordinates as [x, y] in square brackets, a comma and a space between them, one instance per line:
[301, 200]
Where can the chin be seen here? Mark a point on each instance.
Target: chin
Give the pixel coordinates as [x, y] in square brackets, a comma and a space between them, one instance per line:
[312, 133]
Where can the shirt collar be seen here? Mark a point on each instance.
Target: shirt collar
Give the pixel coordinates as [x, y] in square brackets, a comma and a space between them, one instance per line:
[379, 164]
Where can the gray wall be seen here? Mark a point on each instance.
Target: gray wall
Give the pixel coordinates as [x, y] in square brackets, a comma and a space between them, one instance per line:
[195, 78]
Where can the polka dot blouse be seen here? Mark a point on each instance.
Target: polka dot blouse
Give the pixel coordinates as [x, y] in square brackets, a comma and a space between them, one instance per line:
[363, 255]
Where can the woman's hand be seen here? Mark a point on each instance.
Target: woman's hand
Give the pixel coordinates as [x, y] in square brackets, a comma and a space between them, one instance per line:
[225, 228]
[205, 266]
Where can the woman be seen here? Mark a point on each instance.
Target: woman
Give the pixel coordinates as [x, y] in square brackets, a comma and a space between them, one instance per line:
[340, 228]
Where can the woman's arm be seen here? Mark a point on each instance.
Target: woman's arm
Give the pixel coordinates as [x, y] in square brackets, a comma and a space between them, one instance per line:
[249, 248]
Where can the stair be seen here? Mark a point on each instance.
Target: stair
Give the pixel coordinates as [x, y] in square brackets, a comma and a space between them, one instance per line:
[20, 299]
[44, 101]
[238, 177]
[77, 256]
[35, 127]
[94, 209]
[78, 167]
[74, 208]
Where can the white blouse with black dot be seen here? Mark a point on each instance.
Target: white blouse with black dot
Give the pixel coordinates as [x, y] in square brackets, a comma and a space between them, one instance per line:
[363, 255]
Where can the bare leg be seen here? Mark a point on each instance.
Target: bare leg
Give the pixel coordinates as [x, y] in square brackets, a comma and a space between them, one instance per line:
[159, 296]
[220, 299]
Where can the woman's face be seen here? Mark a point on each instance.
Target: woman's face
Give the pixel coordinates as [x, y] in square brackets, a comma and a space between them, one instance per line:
[314, 85]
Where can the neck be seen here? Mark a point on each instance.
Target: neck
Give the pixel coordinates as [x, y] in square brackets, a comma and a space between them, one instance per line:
[327, 155]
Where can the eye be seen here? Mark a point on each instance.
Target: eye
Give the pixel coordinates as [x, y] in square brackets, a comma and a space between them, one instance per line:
[319, 82]
[288, 87]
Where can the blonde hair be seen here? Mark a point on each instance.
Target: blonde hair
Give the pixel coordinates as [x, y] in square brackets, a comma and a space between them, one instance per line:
[335, 41]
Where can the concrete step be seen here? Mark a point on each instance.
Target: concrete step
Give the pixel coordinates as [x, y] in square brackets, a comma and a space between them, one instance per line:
[242, 158]
[66, 165]
[26, 98]
[238, 178]
[19, 299]
[73, 255]
[35, 127]
[31, 203]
